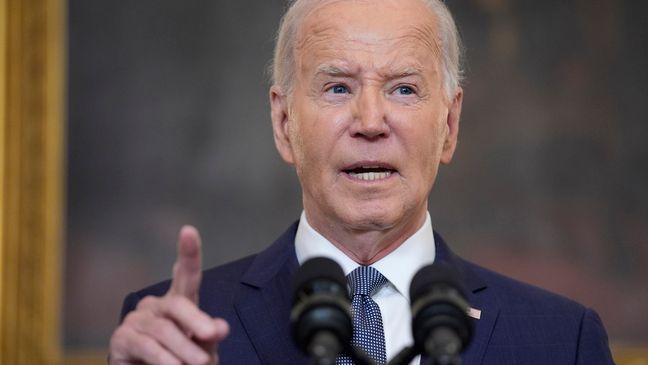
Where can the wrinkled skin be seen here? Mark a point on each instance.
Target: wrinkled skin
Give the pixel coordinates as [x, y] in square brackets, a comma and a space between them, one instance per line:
[368, 91]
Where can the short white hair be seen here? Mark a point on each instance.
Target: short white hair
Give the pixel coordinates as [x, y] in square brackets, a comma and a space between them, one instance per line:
[283, 64]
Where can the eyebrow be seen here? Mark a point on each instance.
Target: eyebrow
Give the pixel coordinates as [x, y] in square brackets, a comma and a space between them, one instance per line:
[332, 70]
[337, 71]
[402, 73]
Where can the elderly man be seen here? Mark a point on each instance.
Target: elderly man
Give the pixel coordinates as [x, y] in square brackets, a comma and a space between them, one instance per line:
[365, 104]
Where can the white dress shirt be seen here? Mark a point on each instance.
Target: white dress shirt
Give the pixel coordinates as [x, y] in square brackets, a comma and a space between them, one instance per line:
[398, 267]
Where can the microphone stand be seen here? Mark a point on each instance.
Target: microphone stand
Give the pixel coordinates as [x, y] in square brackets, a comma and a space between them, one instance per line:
[326, 347]
[404, 357]
[359, 357]
[409, 353]
[444, 347]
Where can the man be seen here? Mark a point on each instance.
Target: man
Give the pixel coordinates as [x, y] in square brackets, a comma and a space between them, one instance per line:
[365, 104]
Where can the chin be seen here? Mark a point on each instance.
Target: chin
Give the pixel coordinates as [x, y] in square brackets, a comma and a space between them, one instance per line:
[372, 218]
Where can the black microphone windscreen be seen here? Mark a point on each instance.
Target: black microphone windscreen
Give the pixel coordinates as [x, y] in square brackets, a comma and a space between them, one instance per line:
[440, 324]
[433, 275]
[316, 269]
[321, 313]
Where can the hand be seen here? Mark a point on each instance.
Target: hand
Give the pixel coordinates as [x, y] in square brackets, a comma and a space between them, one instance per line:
[171, 330]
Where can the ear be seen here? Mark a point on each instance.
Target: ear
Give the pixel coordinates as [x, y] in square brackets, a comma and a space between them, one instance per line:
[452, 127]
[280, 128]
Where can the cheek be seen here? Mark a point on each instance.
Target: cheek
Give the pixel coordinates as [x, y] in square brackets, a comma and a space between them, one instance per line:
[310, 143]
[296, 142]
[322, 130]
[423, 140]
[421, 130]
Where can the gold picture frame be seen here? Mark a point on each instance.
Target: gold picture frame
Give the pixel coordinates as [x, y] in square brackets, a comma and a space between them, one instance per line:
[32, 179]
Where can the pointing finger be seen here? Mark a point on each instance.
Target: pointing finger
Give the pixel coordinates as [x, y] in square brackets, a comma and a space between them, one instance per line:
[188, 266]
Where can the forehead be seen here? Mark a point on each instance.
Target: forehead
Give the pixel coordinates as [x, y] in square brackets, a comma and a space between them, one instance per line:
[384, 32]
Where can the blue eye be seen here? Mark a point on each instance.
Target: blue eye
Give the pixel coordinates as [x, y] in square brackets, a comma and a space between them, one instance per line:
[338, 89]
[405, 90]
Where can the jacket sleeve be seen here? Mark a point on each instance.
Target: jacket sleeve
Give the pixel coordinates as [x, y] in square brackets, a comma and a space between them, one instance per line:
[130, 303]
[593, 347]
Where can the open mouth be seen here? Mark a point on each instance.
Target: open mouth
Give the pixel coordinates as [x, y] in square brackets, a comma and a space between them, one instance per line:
[369, 172]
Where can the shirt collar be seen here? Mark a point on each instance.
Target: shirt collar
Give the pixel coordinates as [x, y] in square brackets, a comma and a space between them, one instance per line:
[398, 267]
[309, 244]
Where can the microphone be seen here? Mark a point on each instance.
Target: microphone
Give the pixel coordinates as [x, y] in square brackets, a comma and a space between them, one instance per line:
[321, 313]
[440, 324]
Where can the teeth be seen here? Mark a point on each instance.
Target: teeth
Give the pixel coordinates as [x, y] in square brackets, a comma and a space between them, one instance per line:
[370, 176]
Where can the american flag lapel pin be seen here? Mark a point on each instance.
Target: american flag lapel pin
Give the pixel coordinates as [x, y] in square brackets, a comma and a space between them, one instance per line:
[474, 313]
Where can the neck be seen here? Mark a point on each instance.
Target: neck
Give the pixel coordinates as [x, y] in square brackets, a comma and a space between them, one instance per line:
[367, 246]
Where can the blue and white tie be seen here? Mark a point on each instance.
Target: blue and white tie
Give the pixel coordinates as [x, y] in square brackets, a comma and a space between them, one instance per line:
[368, 331]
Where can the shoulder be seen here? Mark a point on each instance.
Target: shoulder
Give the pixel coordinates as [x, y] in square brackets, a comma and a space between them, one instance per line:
[519, 297]
[522, 323]
[537, 325]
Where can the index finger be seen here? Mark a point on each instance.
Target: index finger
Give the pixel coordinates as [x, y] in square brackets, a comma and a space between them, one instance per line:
[187, 270]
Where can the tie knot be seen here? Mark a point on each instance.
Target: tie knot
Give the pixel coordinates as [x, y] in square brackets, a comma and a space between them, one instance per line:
[364, 280]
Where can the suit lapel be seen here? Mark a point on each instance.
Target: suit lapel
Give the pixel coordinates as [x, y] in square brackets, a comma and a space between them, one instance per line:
[483, 329]
[477, 292]
[264, 301]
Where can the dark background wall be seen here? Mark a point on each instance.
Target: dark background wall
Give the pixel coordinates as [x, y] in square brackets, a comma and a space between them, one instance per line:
[169, 124]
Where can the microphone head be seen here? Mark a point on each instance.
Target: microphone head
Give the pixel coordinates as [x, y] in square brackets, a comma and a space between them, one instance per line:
[321, 313]
[433, 275]
[439, 312]
[319, 274]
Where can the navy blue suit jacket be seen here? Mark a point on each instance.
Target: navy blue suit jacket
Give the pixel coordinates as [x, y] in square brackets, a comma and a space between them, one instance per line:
[519, 324]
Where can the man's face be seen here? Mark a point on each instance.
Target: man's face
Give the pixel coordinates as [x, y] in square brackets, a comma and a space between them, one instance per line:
[367, 123]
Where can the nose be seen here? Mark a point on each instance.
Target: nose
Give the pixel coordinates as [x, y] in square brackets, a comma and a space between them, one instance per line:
[369, 117]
